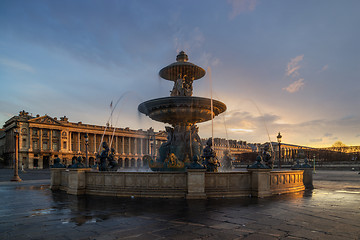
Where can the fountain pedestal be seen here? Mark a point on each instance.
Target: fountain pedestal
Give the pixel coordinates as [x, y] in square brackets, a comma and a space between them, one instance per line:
[77, 181]
[196, 184]
[260, 182]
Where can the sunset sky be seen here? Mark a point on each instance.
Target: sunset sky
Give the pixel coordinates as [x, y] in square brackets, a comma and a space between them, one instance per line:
[282, 65]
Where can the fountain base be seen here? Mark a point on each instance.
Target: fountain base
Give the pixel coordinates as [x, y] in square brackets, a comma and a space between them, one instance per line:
[192, 184]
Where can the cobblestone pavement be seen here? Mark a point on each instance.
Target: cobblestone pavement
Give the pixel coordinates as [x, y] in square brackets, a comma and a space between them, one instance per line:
[29, 210]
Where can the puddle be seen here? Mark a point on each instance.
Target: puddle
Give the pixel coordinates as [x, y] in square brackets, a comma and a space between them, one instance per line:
[345, 191]
[37, 187]
[40, 212]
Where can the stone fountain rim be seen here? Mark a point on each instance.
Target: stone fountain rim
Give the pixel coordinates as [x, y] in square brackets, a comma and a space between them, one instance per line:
[178, 101]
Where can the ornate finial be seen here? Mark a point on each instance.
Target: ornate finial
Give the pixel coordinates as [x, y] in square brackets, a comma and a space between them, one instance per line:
[182, 57]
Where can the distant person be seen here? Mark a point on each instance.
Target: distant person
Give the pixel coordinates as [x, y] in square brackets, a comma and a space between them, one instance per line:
[22, 168]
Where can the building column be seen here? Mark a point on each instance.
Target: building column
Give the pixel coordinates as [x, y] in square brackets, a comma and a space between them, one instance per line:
[129, 147]
[30, 140]
[50, 140]
[136, 146]
[123, 146]
[141, 148]
[116, 144]
[40, 140]
[95, 149]
[78, 143]
[69, 141]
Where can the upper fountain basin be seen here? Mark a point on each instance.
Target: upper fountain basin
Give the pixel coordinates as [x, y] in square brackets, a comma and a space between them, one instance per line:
[181, 110]
[176, 69]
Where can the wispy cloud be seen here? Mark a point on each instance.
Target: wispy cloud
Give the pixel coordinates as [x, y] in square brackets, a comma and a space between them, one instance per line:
[295, 86]
[207, 59]
[316, 140]
[293, 66]
[324, 68]
[292, 71]
[241, 130]
[188, 39]
[16, 65]
[239, 6]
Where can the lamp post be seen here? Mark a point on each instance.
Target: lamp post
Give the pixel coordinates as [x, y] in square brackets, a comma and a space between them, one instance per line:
[279, 144]
[16, 177]
[86, 149]
[314, 163]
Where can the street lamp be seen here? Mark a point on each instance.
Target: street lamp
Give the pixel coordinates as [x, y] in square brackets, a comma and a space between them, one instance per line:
[16, 177]
[86, 149]
[279, 144]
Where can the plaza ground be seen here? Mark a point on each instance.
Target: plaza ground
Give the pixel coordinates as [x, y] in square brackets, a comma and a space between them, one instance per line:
[29, 210]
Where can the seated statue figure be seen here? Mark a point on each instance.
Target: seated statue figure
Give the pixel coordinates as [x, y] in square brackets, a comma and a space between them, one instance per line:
[178, 87]
[57, 164]
[226, 161]
[266, 156]
[103, 157]
[73, 162]
[112, 163]
[210, 160]
[79, 163]
[164, 149]
[187, 87]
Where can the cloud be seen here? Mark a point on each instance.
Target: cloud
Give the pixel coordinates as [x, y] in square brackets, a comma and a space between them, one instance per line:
[16, 65]
[295, 86]
[207, 60]
[292, 71]
[324, 68]
[239, 6]
[316, 140]
[188, 39]
[293, 66]
[241, 130]
[328, 134]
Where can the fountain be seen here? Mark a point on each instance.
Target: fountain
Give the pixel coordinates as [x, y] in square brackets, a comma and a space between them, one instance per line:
[183, 168]
[182, 111]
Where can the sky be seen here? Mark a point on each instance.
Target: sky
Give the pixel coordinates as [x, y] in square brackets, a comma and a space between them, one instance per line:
[279, 66]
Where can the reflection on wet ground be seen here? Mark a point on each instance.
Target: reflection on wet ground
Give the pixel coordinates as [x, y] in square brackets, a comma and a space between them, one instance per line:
[33, 211]
[33, 187]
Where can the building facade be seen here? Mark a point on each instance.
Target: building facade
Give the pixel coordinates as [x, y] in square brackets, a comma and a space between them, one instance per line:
[289, 152]
[236, 148]
[43, 138]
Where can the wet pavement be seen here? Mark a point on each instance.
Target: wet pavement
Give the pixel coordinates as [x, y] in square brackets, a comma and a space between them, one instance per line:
[29, 210]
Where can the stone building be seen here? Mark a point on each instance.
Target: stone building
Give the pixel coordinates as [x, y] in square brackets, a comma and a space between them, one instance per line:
[289, 152]
[235, 147]
[44, 138]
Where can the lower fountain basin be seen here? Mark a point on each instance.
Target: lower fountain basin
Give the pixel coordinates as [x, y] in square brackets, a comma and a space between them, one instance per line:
[181, 110]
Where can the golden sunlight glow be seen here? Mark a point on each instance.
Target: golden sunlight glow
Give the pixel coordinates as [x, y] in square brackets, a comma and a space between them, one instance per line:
[241, 130]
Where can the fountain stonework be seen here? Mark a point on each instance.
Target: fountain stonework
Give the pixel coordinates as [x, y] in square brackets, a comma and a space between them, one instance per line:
[183, 168]
[183, 149]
